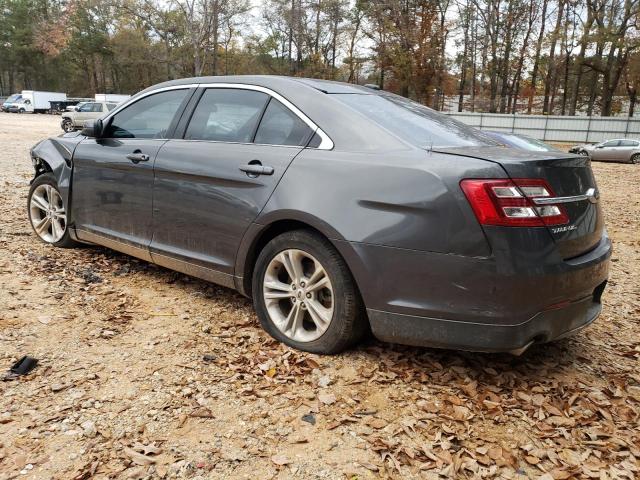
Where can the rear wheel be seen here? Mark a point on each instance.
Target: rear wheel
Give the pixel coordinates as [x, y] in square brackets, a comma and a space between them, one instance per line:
[305, 295]
[635, 158]
[48, 213]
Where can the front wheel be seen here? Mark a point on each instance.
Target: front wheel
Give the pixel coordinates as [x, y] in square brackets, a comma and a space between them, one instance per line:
[635, 159]
[67, 126]
[305, 295]
[48, 213]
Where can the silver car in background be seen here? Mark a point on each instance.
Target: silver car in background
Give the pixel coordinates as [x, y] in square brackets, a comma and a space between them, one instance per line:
[617, 150]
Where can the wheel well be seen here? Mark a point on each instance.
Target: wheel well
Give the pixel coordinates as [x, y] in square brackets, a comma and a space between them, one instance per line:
[268, 234]
[41, 167]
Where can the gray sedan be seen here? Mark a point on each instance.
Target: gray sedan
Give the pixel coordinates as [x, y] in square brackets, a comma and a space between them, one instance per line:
[618, 150]
[338, 209]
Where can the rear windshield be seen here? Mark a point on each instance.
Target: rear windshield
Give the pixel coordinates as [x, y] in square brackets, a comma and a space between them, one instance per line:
[413, 122]
[529, 143]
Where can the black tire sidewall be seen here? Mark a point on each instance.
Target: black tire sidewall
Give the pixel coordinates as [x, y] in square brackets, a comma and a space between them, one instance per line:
[346, 325]
[47, 178]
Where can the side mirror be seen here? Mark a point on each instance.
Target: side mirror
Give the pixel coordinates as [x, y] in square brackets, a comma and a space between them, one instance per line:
[92, 128]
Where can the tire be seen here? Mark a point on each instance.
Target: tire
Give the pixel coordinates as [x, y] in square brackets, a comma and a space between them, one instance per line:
[46, 209]
[338, 300]
[67, 126]
[635, 158]
[21, 110]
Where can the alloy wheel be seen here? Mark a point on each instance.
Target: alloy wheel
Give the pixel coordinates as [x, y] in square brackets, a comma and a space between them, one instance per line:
[298, 295]
[47, 213]
[68, 127]
[636, 158]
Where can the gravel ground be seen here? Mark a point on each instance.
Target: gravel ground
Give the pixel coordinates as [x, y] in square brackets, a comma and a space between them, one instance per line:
[146, 373]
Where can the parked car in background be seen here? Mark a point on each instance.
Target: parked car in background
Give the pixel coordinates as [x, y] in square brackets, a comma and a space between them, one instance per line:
[337, 208]
[519, 141]
[89, 111]
[74, 108]
[617, 150]
[10, 101]
[34, 101]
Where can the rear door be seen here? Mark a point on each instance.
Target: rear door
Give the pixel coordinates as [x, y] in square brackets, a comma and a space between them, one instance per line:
[213, 182]
[627, 148]
[113, 175]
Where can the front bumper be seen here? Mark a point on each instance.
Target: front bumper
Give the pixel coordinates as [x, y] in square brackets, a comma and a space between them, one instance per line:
[505, 302]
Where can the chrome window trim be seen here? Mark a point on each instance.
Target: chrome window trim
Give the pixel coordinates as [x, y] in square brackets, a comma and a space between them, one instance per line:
[325, 144]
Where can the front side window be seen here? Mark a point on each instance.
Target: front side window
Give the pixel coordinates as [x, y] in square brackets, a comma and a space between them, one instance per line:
[149, 117]
[226, 115]
[279, 126]
[611, 143]
[87, 107]
[413, 122]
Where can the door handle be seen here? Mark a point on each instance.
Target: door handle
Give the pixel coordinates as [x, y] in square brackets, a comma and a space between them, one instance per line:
[255, 168]
[138, 156]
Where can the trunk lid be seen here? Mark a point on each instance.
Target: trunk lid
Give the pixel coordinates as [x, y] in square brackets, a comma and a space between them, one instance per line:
[568, 175]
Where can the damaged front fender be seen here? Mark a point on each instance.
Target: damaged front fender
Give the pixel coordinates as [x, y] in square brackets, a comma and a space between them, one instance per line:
[55, 155]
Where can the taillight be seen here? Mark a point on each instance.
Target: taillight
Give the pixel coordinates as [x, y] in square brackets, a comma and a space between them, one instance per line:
[509, 202]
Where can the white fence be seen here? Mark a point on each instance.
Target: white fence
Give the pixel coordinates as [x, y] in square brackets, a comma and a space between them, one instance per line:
[552, 128]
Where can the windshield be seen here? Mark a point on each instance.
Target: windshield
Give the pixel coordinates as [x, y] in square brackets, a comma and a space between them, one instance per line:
[14, 97]
[414, 122]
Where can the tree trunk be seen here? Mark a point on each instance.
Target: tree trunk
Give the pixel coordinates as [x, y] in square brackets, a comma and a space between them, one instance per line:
[551, 68]
[578, 64]
[536, 61]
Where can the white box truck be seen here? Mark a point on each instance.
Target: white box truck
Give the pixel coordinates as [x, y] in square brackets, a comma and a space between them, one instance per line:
[111, 97]
[33, 101]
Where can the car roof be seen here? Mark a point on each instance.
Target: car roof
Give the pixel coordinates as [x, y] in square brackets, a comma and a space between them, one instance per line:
[275, 82]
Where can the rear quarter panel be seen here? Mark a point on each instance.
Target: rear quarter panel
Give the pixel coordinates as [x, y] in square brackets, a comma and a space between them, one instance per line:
[398, 198]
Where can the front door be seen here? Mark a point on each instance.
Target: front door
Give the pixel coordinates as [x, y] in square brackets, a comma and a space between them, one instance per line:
[210, 185]
[113, 175]
[606, 152]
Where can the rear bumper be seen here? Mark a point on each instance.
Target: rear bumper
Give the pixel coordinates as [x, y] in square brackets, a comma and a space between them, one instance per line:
[523, 293]
[543, 327]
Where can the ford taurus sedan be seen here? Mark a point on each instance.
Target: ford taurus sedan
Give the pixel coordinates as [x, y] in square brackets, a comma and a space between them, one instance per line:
[338, 209]
[619, 150]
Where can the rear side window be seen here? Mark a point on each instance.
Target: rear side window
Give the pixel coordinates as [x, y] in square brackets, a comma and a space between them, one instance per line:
[279, 126]
[413, 122]
[97, 107]
[226, 115]
[628, 143]
[111, 106]
[149, 117]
